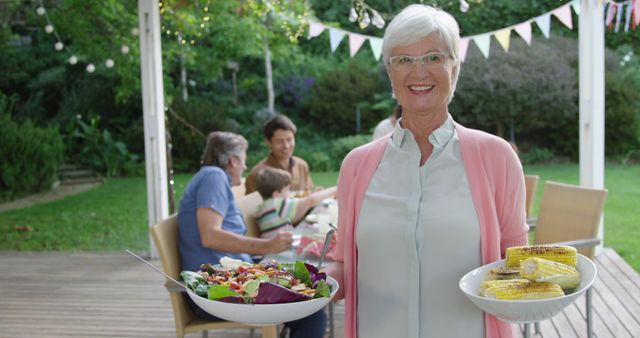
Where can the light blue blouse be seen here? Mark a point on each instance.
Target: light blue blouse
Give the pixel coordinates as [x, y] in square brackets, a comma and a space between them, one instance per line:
[417, 234]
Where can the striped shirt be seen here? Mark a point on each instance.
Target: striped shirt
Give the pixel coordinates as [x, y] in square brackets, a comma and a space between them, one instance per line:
[275, 215]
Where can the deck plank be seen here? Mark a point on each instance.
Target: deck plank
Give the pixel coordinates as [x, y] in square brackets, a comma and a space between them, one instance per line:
[57, 294]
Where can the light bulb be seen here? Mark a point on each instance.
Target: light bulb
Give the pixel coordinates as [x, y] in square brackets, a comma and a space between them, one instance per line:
[124, 49]
[59, 45]
[464, 6]
[48, 29]
[366, 20]
[109, 63]
[377, 20]
[135, 31]
[73, 60]
[353, 16]
[91, 68]
[40, 10]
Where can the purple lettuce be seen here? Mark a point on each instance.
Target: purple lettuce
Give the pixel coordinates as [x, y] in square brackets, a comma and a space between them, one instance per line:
[270, 293]
[315, 275]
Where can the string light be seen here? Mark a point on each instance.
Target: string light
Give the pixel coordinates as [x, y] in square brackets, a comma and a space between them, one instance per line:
[464, 6]
[60, 46]
[360, 12]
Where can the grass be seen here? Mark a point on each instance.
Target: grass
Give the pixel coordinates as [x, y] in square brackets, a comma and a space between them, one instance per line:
[113, 216]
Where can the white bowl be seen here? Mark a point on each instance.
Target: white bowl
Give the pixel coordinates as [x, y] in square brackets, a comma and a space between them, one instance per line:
[264, 314]
[525, 311]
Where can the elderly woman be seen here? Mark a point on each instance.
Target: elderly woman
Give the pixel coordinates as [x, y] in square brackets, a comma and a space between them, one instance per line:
[211, 225]
[429, 202]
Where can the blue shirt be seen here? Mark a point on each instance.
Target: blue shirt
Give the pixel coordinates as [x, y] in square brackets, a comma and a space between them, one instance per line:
[209, 188]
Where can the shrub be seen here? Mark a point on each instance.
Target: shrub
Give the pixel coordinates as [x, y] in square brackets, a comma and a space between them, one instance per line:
[342, 146]
[96, 148]
[334, 98]
[30, 156]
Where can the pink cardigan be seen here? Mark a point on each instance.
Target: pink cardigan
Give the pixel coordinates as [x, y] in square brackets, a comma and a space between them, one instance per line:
[497, 187]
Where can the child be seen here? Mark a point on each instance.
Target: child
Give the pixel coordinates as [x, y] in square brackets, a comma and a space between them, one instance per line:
[278, 212]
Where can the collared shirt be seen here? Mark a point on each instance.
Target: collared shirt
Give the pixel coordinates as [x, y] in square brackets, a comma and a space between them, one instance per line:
[417, 234]
[298, 168]
[209, 188]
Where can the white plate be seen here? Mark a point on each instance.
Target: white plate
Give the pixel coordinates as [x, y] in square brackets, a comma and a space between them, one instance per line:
[264, 314]
[525, 311]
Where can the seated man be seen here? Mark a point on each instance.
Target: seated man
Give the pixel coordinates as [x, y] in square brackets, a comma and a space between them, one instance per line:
[210, 224]
[278, 212]
[280, 133]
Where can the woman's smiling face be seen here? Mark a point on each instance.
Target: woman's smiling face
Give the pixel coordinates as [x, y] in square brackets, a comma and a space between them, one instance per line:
[422, 89]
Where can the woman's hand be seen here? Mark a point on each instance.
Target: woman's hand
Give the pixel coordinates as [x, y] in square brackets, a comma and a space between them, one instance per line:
[281, 242]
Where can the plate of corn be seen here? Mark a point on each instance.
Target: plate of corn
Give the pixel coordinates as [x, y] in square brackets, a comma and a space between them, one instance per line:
[532, 283]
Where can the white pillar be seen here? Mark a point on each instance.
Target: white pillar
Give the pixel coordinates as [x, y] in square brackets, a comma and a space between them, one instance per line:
[591, 42]
[153, 111]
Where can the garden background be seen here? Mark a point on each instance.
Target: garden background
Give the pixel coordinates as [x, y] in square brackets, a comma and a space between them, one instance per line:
[73, 106]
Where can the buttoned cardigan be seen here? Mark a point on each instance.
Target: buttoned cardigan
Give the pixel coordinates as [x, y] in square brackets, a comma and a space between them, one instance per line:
[497, 188]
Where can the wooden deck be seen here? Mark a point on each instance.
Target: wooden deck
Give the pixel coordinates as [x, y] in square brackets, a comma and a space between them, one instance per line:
[114, 295]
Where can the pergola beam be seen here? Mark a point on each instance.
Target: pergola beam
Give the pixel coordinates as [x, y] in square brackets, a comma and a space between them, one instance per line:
[153, 112]
[591, 58]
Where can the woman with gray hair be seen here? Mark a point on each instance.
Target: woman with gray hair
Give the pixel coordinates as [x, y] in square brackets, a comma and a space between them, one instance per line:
[211, 224]
[427, 203]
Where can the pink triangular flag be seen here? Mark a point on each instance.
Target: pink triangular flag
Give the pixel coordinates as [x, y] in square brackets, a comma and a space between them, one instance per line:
[636, 12]
[524, 30]
[564, 15]
[315, 29]
[462, 48]
[355, 42]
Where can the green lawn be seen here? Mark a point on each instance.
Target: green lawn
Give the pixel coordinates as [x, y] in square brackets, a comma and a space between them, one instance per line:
[113, 216]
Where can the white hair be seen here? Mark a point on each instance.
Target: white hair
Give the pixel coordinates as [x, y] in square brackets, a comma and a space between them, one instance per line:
[415, 23]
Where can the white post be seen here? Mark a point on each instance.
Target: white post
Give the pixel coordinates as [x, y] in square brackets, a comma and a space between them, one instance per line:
[591, 42]
[153, 111]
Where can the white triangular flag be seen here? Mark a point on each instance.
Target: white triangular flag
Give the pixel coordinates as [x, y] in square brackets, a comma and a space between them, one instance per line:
[376, 47]
[462, 48]
[355, 42]
[503, 37]
[524, 30]
[576, 6]
[483, 41]
[335, 37]
[544, 22]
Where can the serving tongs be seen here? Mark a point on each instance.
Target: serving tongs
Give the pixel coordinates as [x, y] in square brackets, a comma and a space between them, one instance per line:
[171, 288]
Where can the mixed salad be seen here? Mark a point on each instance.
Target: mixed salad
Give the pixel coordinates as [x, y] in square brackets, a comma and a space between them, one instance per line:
[267, 282]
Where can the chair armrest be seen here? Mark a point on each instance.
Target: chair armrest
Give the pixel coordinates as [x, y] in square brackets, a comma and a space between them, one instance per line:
[579, 243]
[171, 286]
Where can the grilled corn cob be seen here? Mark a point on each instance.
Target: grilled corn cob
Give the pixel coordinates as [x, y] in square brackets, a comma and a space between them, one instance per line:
[504, 273]
[541, 270]
[557, 253]
[527, 291]
[484, 286]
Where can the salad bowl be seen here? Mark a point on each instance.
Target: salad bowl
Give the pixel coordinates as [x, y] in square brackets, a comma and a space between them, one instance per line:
[525, 311]
[264, 314]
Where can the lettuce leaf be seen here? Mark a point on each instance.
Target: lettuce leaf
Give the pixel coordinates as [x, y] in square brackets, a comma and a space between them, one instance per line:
[217, 291]
[302, 273]
[323, 289]
[270, 293]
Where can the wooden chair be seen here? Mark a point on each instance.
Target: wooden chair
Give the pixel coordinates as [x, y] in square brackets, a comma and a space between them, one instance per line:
[570, 215]
[239, 191]
[165, 237]
[248, 205]
[531, 184]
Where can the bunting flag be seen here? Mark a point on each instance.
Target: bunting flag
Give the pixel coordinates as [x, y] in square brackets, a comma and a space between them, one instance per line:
[564, 15]
[613, 10]
[462, 48]
[335, 37]
[544, 23]
[524, 30]
[355, 42]
[376, 47]
[503, 36]
[315, 29]
[483, 41]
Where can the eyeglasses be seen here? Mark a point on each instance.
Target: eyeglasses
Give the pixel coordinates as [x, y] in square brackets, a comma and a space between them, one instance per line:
[429, 60]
